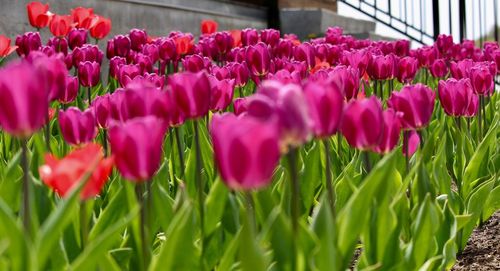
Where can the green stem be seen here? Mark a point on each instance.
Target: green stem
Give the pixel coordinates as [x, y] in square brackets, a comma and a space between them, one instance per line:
[47, 133]
[366, 160]
[480, 120]
[329, 185]
[250, 210]
[89, 93]
[375, 87]
[240, 91]
[180, 150]
[26, 187]
[139, 191]
[292, 160]
[105, 141]
[483, 107]
[199, 184]
[84, 224]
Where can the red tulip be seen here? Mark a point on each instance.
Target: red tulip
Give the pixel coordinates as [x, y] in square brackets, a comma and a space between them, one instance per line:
[89, 73]
[456, 96]
[221, 93]
[439, 68]
[208, 27]
[100, 27]
[183, 45]
[77, 127]
[23, 99]
[62, 175]
[325, 107]
[191, 92]
[137, 146]
[5, 48]
[60, 25]
[416, 102]
[362, 123]
[258, 59]
[406, 69]
[390, 133]
[38, 14]
[82, 17]
[246, 150]
[236, 34]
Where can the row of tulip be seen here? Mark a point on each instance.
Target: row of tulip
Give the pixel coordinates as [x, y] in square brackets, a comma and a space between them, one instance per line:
[324, 146]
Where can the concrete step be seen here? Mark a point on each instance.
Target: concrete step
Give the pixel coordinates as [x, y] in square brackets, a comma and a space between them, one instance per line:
[370, 35]
[307, 22]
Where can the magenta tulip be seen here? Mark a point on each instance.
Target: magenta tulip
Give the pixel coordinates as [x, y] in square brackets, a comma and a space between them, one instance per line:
[101, 107]
[411, 143]
[23, 99]
[71, 90]
[456, 96]
[89, 73]
[138, 37]
[239, 72]
[194, 63]
[346, 79]
[357, 59]
[29, 41]
[166, 49]
[305, 53]
[137, 147]
[416, 102]
[77, 127]
[391, 132]
[325, 107]
[439, 68]
[240, 106]
[141, 99]
[270, 36]
[258, 59]
[60, 45]
[381, 67]
[54, 70]
[246, 150]
[77, 37]
[221, 93]
[191, 92]
[362, 123]
[114, 66]
[249, 36]
[87, 52]
[128, 72]
[482, 80]
[121, 45]
[461, 69]
[406, 69]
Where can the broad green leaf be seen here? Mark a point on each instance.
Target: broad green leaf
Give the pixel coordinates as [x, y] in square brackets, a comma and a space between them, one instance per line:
[228, 258]
[214, 205]
[11, 231]
[326, 255]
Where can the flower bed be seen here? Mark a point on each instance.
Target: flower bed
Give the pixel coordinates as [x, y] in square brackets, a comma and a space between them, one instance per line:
[242, 149]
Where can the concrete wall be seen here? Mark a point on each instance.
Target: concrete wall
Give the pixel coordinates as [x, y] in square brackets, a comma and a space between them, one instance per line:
[158, 17]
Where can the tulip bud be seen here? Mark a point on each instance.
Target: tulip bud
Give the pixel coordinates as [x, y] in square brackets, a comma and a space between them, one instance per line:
[191, 92]
[194, 63]
[361, 123]
[87, 52]
[249, 36]
[246, 150]
[439, 68]
[166, 49]
[406, 69]
[29, 41]
[381, 67]
[416, 102]
[138, 37]
[221, 93]
[482, 80]
[456, 96]
[71, 90]
[390, 133]
[89, 73]
[208, 27]
[137, 147]
[77, 37]
[77, 127]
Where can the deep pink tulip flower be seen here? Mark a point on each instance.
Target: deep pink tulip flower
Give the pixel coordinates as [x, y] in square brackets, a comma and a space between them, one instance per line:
[60, 45]
[152, 51]
[121, 46]
[137, 147]
[54, 70]
[23, 99]
[224, 42]
[444, 44]
[128, 72]
[138, 37]
[406, 69]
[221, 93]
[166, 49]
[144, 62]
[325, 107]
[246, 150]
[346, 79]
[305, 52]
[473, 107]
[270, 36]
[284, 48]
[362, 123]
[143, 98]
[249, 36]
[456, 96]
[71, 90]
[482, 80]
[102, 107]
[29, 41]
[416, 102]
[357, 59]
[191, 92]
[156, 80]
[402, 48]
[221, 72]
[77, 37]
[240, 106]
[461, 69]
[194, 63]
[381, 67]
[426, 55]
[391, 132]
[411, 143]
[114, 66]
[87, 52]
[77, 127]
[258, 59]
[439, 68]
[89, 73]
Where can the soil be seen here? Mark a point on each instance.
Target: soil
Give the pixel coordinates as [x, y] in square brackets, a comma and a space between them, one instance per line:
[482, 252]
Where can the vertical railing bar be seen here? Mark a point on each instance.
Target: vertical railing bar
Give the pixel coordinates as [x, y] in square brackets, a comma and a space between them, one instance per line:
[495, 19]
[449, 17]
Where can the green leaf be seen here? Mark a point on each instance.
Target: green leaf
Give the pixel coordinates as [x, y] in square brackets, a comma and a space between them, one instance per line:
[323, 225]
[227, 259]
[311, 175]
[116, 209]
[251, 254]
[12, 232]
[214, 205]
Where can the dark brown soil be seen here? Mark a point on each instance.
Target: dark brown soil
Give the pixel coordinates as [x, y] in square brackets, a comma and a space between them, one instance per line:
[482, 252]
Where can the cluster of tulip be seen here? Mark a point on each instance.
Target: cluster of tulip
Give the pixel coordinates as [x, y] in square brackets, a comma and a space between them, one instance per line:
[259, 95]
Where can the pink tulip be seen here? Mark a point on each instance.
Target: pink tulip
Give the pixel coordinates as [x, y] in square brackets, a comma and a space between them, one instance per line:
[77, 37]
[357, 59]
[456, 96]
[195, 63]
[60, 45]
[221, 93]
[249, 36]
[381, 67]
[191, 92]
[128, 72]
[482, 80]
[166, 49]
[270, 36]
[473, 107]
[258, 59]
[426, 55]
[138, 37]
[402, 48]
[362, 123]
[114, 66]
[29, 41]
[240, 106]
[411, 143]
[284, 48]
[221, 72]
[390, 133]
[152, 51]
[305, 53]
[439, 68]
[416, 102]
[121, 45]
[54, 71]
[23, 99]
[71, 90]
[346, 79]
[246, 150]
[89, 73]
[101, 107]
[224, 42]
[142, 99]
[325, 107]
[406, 69]
[77, 127]
[444, 44]
[461, 69]
[137, 147]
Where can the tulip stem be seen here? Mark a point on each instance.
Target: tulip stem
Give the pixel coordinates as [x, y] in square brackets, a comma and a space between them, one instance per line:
[406, 143]
[139, 191]
[250, 210]
[180, 150]
[483, 107]
[366, 159]
[295, 200]
[84, 224]
[105, 142]
[199, 184]
[47, 133]
[89, 93]
[480, 120]
[375, 87]
[329, 186]
[26, 187]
